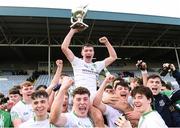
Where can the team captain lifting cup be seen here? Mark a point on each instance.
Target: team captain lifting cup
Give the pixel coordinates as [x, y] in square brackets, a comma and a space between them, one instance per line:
[78, 16]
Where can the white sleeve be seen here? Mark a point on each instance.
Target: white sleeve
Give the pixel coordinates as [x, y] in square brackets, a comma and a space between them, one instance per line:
[107, 110]
[70, 120]
[75, 61]
[14, 113]
[157, 123]
[154, 121]
[100, 65]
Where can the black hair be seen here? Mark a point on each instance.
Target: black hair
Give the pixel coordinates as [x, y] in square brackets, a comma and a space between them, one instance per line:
[122, 83]
[41, 86]
[14, 90]
[117, 79]
[1, 95]
[153, 76]
[143, 91]
[108, 87]
[4, 100]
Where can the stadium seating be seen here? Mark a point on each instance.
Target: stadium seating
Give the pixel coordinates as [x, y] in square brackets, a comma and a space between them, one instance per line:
[8, 81]
[43, 80]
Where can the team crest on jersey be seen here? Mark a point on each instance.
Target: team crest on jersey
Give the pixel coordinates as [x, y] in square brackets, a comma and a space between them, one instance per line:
[86, 66]
[25, 113]
[161, 103]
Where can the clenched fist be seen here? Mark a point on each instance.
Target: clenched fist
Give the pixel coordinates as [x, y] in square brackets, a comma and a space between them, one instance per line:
[59, 62]
[103, 40]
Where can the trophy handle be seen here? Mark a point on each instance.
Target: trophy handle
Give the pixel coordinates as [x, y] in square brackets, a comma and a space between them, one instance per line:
[85, 8]
[72, 21]
[77, 25]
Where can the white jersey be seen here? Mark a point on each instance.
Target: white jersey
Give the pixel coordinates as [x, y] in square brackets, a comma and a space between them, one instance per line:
[85, 74]
[77, 122]
[21, 111]
[32, 123]
[112, 115]
[151, 120]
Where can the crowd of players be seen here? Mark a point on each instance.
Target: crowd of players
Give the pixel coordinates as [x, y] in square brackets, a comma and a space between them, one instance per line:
[146, 102]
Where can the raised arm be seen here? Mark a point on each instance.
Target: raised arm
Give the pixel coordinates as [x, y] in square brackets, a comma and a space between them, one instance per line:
[56, 116]
[65, 45]
[56, 77]
[112, 53]
[98, 98]
[175, 73]
[143, 67]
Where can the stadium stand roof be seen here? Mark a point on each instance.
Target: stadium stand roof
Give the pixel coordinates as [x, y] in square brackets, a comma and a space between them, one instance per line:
[27, 33]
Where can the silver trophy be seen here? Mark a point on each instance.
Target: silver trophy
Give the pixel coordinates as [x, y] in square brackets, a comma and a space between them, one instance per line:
[78, 16]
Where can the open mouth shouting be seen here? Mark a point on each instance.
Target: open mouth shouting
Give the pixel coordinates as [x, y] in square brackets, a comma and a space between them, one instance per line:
[154, 90]
[123, 96]
[88, 57]
[82, 109]
[29, 95]
[64, 105]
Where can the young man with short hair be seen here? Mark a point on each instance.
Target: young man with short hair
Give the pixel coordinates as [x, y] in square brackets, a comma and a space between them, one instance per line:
[162, 103]
[78, 117]
[40, 106]
[121, 91]
[14, 95]
[142, 100]
[22, 111]
[85, 71]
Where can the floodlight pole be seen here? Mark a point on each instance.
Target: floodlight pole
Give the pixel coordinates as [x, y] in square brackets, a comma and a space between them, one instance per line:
[49, 63]
[49, 51]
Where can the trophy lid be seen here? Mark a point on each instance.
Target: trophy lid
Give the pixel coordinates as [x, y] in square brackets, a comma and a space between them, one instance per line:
[80, 9]
[79, 12]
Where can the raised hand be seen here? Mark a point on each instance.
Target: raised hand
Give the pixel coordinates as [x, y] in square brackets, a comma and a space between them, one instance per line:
[169, 66]
[103, 40]
[109, 78]
[141, 65]
[66, 82]
[59, 63]
[172, 67]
